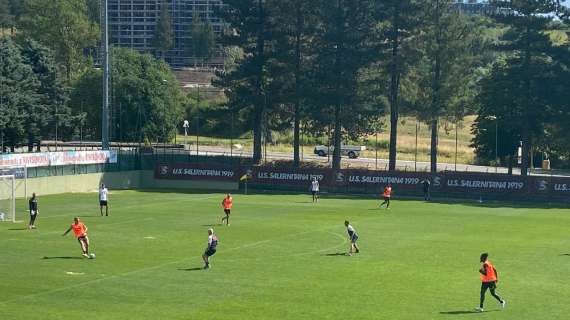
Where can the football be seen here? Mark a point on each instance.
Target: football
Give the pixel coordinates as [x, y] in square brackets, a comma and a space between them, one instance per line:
[92, 256]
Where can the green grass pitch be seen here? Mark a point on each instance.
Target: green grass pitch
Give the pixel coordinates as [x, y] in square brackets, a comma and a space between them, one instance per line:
[280, 259]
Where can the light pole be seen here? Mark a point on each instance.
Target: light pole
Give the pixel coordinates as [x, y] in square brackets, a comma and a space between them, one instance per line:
[494, 118]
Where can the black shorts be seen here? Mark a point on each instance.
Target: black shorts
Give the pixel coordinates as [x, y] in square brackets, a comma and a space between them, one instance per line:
[489, 285]
[386, 198]
[33, 212]
[209, 252]
[103, 203]
[354, 238]
[314, 192]
[227, 211]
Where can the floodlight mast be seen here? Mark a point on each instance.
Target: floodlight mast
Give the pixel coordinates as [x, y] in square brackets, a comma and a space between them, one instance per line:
[105, 45]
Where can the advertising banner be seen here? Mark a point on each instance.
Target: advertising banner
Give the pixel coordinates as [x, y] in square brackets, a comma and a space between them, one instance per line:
[46, 159]
[379, 179]
[289, 176]
[194, 171]
[480, 183]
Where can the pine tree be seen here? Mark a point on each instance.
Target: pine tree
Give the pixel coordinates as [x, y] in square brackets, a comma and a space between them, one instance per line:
[528, 48]
[18, 93]
[402, 25]
[342, 48]
[291, 63]
[163, 39]
[247, 85]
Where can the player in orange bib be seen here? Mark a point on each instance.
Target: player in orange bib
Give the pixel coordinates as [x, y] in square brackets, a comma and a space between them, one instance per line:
[387, 194]
[80, 231]
[227, 204]
[489, 278]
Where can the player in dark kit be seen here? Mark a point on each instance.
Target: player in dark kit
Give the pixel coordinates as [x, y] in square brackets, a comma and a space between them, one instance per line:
[489, 278]
[353, 238]
[211, 249]
[33, 205]
[426, 185]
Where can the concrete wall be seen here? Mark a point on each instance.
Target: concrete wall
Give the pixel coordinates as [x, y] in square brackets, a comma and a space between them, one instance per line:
[114, 180]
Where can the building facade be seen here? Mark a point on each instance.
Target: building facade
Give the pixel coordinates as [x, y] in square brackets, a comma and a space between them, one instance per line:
[132, 24]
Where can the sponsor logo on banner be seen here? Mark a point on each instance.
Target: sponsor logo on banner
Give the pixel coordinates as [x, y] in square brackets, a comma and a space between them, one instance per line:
[46, 159]
[485, 183]
[289, 176]
[189, 171]
[380, 179]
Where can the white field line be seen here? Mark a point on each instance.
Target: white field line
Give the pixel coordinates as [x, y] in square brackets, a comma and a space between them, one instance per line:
[120, 275]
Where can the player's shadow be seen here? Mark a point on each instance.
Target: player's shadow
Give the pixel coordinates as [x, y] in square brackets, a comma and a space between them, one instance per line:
[565, 254]
[460, 312]
[62, 257]
[213, 225]
[18, 229]
[190, 269]
[336, 254]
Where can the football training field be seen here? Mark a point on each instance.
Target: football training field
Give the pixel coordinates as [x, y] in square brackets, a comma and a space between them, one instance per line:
[282, 257]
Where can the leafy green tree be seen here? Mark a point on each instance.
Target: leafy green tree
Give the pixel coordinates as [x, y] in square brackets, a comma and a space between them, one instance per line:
[63, 26]
[163, 39]
[147, 98]
[202, 39]
[51, 113]
[18, 93]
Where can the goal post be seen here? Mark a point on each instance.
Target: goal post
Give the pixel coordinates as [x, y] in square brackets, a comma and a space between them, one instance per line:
[20, 174]
[8, 198]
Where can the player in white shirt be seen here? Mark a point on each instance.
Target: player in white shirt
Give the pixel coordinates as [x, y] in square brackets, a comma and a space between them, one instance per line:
[353, 238]
[315, 189]
[103, 198]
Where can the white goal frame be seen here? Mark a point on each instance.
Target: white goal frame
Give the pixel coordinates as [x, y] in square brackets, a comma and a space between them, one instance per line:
[19, 182]
[11, 197]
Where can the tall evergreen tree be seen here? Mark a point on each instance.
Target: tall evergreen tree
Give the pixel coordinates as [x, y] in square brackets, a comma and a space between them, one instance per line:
[51, 116]
[202, 39]
[342, 47]
[18, 93]
[446, 66]
[291, 63]
[163, 38]
[402, 19]
[528, 48]
[246, 86]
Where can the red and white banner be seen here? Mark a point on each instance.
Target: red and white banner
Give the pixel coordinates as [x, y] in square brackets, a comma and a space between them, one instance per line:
[46, 159]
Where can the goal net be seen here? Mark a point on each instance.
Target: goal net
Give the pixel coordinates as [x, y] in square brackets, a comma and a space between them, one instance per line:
[7, 198]
[21, 179]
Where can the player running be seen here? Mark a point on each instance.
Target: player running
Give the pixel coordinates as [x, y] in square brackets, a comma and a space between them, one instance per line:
[387, 194]
[426, 185]
[33, 206]
[353, 236]
[315, 189]
[211, 249]
[80, 231]
[227, 204]
[489, 278]
[103, 197]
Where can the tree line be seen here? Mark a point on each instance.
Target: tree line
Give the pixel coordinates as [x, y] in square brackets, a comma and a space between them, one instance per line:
[335, 68]
[339, 66]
